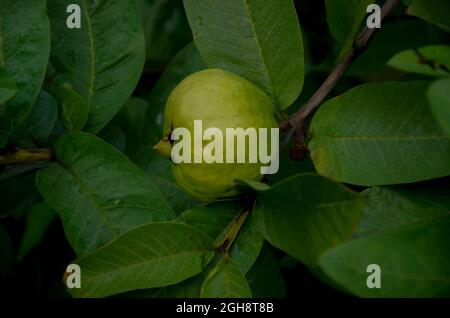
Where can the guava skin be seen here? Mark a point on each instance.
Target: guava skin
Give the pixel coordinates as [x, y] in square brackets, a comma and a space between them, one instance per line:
[223, 100]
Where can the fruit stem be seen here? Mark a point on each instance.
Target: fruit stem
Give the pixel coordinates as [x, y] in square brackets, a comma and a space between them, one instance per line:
[296, 123]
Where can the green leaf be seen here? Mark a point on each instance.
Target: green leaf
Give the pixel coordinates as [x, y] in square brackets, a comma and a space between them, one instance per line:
[413, 262]
[5, 131]
[371, 64]
[42, 118]
[158, 169]
[396, 207]
[429, 60]
[308, 214]
[149, 256]
[225, 281]
[98, 192]
[212, 218]
[186, 62]
[439, 98]
[17, 194]
[7, 86]
[248, 244]
[259, 40]
[166, 30]
[102, 60]
[38, 219]
[132, 121]
[114, 135]
[433, 11]
[344, 19]
[265, 278]
[378, 134]
[215, 220]
[75, 111]
[24, 51]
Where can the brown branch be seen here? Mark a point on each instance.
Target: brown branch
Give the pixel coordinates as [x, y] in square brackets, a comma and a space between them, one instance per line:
[22, 156]
[296, 123]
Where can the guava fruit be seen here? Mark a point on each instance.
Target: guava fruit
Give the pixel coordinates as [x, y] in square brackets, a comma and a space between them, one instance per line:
[220, 99]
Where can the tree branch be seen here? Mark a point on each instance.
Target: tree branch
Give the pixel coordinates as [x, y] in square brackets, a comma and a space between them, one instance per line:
[22, 156]
[296, 123]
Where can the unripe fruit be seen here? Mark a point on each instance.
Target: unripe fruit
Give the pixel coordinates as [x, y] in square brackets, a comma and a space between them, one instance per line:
[220, 99]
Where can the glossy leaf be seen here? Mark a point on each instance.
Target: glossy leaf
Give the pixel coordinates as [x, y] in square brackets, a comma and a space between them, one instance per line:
[102, 60]
[38, 219]
[42, 118]
[186, 62]
[428, 60]
[17, 194]
[98, 192]
[166, 30]
[212, 218]
[345, 18]
[413, 262]
[433, 11]
[371, 64]
[378, 134]
[259, 40]
[225, 281]
[75, 111]
[265, 277]
[5, 131]
[396, 207]
[7, 86]
[149, 256]
[248, 244]
[158, 169]
[308, 214]
[439, 98]
[24, 51]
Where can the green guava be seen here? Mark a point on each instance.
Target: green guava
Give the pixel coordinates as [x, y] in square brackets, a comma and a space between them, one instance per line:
[220, 99]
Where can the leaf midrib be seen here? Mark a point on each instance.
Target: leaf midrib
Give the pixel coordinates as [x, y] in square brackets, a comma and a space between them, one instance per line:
[92, 55]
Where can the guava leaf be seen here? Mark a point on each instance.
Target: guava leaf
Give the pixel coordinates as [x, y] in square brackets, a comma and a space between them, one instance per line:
[149, 256]
[7, 86]
[379, 134]
[371, 64]
[42, 118]
[5, 131]
[429, 60]
[225, 281]
[166, 30]
[413, 262]
[102, 60]
[262, 284]
[98, 192]
[211, 218]
[114, 135]
[433, 11]
[75, 110]
[38, 219]
[215, 219]
[344, 19]
[439, 98]
[247, 246]
[17, 194]
[24, 51]
[259, 40]
[132, 121]
[396, 207]
[186, 62]
[307, 214]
